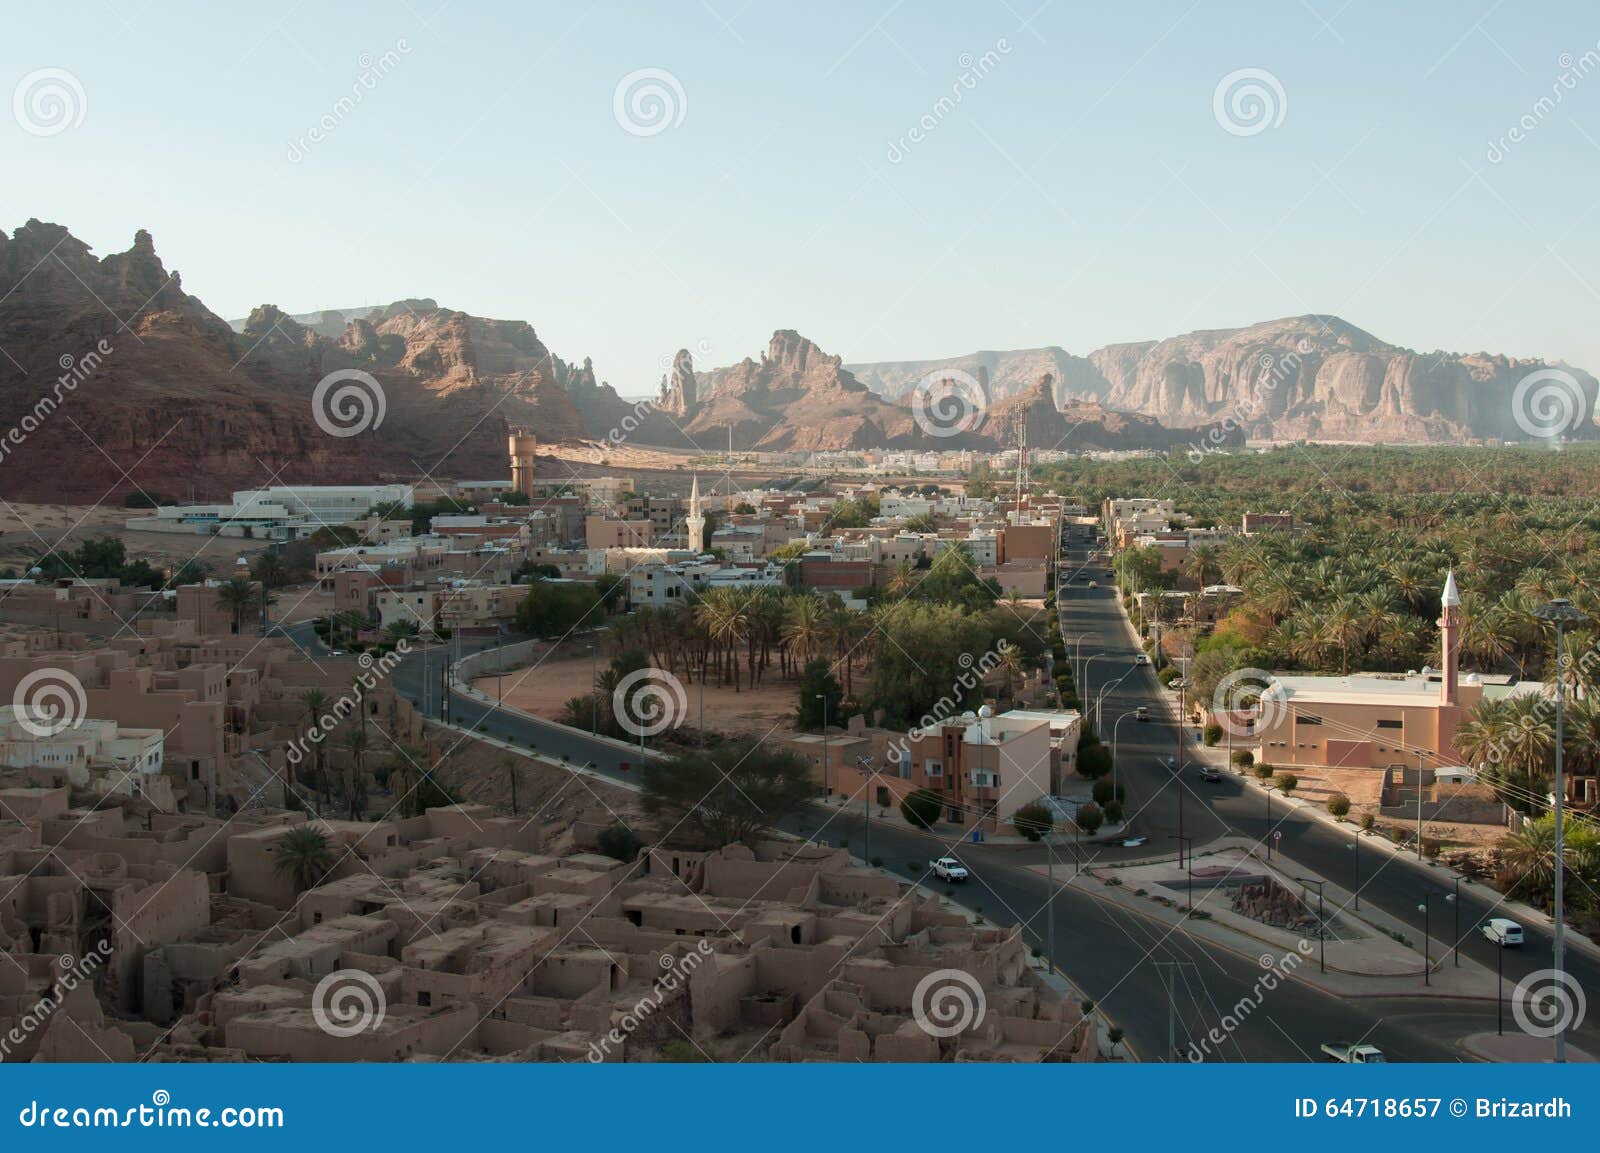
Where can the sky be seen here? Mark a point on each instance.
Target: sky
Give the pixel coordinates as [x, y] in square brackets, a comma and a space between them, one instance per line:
[896, 181]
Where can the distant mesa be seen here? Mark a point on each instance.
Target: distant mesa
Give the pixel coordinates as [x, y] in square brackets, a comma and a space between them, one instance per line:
[194, 400]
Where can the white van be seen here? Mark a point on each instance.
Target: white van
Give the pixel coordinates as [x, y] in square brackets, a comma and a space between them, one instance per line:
[1505, 933]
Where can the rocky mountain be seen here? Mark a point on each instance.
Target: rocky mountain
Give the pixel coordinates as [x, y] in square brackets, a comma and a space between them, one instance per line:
[1085, 426]
[142, 386]
[1004, 374]
[1313, 377]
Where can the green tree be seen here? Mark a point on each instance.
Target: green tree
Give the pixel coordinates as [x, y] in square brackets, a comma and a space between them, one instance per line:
[922, 808]
[303, 856]
[1287, 782]
[1338, 806]
[238, 596]
[732, 793]
[1090, 818]
[817, 680]
[619, 841]
[1033, 820]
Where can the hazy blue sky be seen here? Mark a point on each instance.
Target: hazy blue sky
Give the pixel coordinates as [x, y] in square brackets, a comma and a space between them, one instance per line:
[1082, 191]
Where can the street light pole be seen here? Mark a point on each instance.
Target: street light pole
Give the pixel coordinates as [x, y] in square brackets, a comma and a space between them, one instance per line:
[1183, 685]
[1427, 961]
[1355, 848]
[1115, 725]
[1455, 899]
[1186, 853]
[1322, 924]
[1560, 613]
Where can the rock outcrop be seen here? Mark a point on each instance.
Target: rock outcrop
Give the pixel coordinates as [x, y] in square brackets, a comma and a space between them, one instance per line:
[1312, 377]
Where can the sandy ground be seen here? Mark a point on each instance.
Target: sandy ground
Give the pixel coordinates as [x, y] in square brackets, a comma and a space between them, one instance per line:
[29, 530]
[543, 690]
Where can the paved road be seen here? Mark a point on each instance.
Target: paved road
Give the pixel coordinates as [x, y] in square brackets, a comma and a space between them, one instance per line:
[1110, 954]
[1092, 621]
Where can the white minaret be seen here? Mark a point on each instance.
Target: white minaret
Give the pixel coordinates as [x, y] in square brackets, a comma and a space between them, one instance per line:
[1450, 639]
[695, 522]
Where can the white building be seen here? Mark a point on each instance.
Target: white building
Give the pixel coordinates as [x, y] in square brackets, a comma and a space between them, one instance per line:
[285, 512]
[92, 753]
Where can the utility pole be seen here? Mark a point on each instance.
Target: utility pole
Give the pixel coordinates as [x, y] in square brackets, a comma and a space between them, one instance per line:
[1170, 969]
[1560, 613]
[1419, 804]
[1183, 685]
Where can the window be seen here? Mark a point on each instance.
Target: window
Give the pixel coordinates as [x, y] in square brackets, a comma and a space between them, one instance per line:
[1391, 724]
[932, 768]
[1308, 719]
[424, 998]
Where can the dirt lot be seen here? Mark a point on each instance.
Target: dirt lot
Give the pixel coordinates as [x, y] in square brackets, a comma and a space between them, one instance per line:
[29, 530]
[542, 690]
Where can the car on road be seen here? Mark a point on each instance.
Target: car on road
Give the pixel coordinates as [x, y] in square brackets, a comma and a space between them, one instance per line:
[1211, 776]
[950, 869]
[1141, 713]
[1094, 584]
[1141, 659]
[1134, 842]
[1503, 932]
[1355, 1054]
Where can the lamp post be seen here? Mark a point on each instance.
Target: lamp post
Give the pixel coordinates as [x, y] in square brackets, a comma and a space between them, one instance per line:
[1114, 726]
[1500, 992]
[1267, 836]
[1560, 613]
[1099, 698]
[1084, 694]
[1427, 961]
[1182, 684]
[1354, 847]
[823, 697]
[1186, 858]
[1322, 924]
[1455, 899]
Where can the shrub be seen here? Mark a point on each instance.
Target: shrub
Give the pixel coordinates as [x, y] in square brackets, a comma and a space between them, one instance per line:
[1338, 805]
[1033, 821]
[1287, 782]
[1263, 772]
[1167, 675]
[618, 841]
[1094, 761]
[1113, 811]
[1212, 733]
[921, 808]
[1243, 758]
[1430, 848]
[1368, 822]
[1090, 818]
[1103, 792]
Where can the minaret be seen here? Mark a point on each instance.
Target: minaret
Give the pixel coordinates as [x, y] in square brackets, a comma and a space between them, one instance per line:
[695, 522]
[1450, 639]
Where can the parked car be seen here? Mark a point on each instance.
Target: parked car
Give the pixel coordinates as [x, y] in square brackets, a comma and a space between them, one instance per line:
[1503, 932]
[949, 869]
[1211, 776]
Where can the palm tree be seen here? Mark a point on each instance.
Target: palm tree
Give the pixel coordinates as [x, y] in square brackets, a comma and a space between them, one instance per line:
[271, 570]
[355, 741]
[238, 595]
[802, 629]
[304, 857]
[315, 702]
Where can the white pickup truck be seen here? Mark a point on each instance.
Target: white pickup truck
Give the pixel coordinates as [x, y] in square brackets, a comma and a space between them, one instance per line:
[1355, 1054]
[949, 869]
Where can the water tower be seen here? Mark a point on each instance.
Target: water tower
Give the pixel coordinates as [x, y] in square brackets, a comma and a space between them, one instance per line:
[523, 445]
